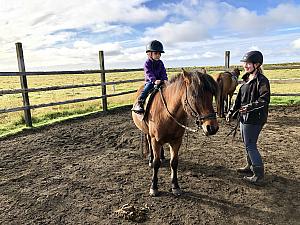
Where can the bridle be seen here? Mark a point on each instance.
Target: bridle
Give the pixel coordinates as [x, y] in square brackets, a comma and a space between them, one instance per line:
[199, 118]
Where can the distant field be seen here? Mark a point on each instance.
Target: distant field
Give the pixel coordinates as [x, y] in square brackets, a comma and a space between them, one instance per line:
[14, 120]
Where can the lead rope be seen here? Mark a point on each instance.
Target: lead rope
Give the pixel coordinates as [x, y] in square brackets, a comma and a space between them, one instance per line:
[236, 125]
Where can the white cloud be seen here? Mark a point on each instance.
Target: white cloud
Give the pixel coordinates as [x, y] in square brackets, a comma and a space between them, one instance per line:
[70, 33]
[244, 20]
[188, 31]
[296, 43]
[285, 14]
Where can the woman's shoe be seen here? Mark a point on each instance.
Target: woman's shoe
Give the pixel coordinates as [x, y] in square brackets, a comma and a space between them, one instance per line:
[245, 169]
[258, 175]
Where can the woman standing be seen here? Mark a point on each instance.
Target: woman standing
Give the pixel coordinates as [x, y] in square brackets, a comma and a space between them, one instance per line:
[252, 102]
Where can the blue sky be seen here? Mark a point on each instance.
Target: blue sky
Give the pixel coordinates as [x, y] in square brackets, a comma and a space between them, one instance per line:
[67, 35]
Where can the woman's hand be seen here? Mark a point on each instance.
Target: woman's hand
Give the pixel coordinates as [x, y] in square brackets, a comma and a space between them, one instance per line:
[228, 116]
[243, 109]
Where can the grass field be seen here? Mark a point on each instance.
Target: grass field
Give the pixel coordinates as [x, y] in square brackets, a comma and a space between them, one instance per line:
[14, 121]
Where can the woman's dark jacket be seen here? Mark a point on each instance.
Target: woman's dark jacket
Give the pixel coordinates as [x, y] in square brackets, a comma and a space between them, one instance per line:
[255, 95]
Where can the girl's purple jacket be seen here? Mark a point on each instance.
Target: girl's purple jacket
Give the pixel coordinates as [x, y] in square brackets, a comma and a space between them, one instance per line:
[154, 70]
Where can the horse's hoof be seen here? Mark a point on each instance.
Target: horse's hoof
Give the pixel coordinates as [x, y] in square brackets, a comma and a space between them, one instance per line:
[176, 191]
[153, 192]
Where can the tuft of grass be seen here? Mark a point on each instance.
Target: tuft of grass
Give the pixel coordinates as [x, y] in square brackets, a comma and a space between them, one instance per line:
[285, 100]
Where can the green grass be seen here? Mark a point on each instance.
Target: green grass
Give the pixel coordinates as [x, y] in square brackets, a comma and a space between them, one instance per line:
[10, 122]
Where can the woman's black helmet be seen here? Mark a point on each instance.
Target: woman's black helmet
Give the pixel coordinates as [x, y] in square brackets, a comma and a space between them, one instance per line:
[253, 57]
[155, 46]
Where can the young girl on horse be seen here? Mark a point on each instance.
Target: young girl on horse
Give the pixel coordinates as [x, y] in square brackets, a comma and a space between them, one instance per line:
[252, 103]
[154, 70]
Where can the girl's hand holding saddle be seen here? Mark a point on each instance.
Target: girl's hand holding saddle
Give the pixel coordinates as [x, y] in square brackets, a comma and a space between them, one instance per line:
[157, 82]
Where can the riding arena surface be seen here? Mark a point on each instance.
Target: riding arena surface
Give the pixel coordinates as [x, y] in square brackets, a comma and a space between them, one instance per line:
[90, 170]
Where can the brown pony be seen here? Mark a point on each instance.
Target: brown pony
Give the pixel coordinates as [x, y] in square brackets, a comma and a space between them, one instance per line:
[227, 82]
[188, 94]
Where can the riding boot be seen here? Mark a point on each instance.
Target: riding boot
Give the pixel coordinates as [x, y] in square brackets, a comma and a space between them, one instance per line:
[258, 175]
[247, 168]
[138, 107]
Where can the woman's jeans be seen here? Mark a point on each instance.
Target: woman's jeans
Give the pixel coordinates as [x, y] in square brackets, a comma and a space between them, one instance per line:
[250, 133]
[148, 86]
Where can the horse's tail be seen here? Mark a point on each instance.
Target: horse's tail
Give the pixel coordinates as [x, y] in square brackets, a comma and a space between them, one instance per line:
[220, 94]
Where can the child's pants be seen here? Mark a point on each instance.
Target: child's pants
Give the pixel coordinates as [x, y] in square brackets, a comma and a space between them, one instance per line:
[148, 86]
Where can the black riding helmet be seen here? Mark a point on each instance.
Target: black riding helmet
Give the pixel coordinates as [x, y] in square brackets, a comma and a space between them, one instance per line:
[155, 46]
[253, 57]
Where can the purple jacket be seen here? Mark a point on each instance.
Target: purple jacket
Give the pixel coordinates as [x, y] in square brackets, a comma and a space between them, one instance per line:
[154, 70]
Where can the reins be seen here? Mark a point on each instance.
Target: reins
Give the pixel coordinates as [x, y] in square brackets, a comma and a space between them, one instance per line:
[236, 125]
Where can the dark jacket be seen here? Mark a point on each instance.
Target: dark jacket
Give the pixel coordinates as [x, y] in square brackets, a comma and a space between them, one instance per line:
[154, 70]
[255, 95]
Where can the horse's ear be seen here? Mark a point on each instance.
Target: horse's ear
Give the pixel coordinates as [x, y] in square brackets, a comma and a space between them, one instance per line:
[186, 76]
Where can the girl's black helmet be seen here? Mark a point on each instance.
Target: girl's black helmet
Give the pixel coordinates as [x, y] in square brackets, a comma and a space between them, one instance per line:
[155, 46]
[253, 57]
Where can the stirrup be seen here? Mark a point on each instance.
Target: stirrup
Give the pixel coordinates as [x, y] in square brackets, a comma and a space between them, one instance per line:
[138, 109]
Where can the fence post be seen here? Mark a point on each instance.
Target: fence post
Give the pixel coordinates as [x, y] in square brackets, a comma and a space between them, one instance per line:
[24, 85]
[227, 58]
[104, 99]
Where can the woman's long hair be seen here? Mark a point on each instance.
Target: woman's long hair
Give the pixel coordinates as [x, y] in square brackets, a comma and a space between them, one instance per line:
[261, 69]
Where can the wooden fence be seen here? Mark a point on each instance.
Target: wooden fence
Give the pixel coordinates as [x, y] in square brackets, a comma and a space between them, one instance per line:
[102, 72]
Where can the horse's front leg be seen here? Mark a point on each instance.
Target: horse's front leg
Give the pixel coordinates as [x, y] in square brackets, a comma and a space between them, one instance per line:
[156, 147]
[174, 165]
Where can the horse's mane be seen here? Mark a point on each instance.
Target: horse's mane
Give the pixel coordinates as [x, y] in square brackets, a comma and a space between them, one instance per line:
[200, 82]
[236, 71]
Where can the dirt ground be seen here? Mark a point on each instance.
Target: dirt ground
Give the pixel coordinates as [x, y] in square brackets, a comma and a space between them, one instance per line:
[83, 170]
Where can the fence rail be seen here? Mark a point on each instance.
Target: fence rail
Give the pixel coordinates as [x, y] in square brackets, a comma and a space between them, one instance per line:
[102, 71]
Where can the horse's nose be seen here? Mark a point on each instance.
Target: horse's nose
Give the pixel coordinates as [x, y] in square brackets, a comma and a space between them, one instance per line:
[211, 129]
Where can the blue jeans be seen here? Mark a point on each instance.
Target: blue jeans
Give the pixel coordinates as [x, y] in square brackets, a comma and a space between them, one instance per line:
[250, 133]
[148, 86]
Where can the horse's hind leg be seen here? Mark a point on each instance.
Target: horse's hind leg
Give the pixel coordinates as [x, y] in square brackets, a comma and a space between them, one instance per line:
[226, 103]
[150, 150]
[174, 165]
[156, 164]
[230, 98]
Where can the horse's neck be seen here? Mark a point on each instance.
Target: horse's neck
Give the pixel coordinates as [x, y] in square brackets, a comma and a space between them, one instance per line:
[235, 78]
[173, 96]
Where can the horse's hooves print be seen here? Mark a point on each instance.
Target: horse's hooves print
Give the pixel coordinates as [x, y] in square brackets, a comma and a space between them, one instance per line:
[153, 192]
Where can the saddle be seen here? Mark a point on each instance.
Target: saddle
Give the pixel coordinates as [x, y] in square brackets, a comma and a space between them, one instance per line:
[149, 100]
